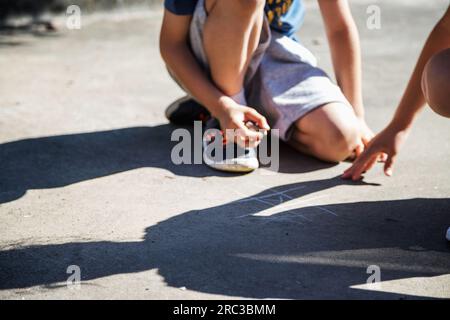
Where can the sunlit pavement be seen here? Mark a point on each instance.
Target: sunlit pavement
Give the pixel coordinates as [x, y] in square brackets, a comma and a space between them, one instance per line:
[86, 181]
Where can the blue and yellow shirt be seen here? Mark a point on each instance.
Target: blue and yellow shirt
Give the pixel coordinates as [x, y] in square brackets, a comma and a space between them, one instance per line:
[285, 16]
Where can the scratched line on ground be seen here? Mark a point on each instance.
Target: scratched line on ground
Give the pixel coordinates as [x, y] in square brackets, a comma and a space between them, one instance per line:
[285, 204]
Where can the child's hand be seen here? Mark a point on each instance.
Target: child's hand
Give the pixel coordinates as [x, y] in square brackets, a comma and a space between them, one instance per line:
[366, 136]
[234, 119]
[388, 141]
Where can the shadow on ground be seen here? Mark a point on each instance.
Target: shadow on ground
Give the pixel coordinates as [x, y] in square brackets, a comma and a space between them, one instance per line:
[306, 252]
[58, 161]
[274, 244]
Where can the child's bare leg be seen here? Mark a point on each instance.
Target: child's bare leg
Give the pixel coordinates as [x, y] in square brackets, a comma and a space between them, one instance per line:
[436, 83]
[330, 133]
[231, 36]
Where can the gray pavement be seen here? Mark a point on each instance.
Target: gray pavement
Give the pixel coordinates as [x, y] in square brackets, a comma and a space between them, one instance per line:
[86, 179]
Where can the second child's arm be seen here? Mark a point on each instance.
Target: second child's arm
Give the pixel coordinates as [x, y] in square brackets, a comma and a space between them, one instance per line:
[393, 136]
[413, 99]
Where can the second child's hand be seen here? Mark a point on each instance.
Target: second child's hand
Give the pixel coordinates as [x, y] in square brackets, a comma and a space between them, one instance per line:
[388, 141]
[366, 137]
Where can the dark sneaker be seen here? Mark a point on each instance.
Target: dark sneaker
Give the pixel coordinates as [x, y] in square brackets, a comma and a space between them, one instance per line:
[233, 158]
[185, 111]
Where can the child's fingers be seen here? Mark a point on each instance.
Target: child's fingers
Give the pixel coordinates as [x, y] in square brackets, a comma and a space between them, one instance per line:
[362, 166]
[359, 166]
[383, 157]
[248, 138]
[348, 174]
[389, 165]
[371, 163]
[253, 115]
[252, 134]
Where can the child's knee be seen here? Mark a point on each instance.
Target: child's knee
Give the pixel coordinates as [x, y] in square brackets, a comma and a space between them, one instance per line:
[342, 142]
[336, 143]
[435, 83]
[330, 133]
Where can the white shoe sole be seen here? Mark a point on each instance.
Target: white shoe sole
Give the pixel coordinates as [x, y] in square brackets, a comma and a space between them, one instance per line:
[236, 165]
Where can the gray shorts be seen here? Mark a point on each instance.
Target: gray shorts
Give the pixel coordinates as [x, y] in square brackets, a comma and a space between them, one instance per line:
[283, 82]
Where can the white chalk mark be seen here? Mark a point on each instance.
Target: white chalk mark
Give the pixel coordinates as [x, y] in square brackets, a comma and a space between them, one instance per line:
[254, 199]
[326, 210]
[279, 193]
[284, 192]
[274, 209]
[298, 215]
[299, 201]
[280, 199]
[268, 219]
[264, 201]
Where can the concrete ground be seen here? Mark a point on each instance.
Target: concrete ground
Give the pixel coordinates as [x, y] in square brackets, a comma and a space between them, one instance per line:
[86, 179]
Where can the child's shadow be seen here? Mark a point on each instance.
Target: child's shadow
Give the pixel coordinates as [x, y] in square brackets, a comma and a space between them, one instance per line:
[58, 161]
[275, 244]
